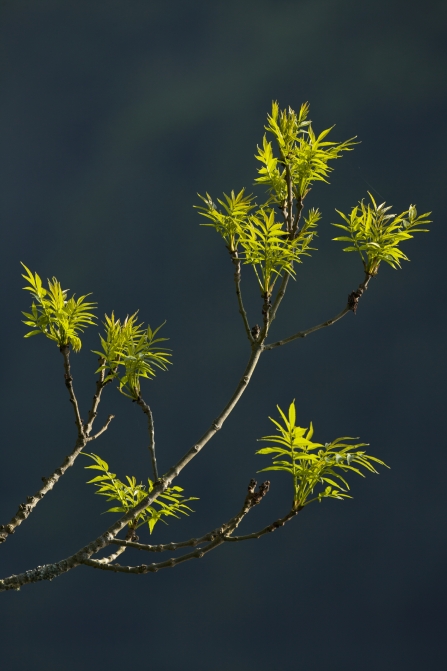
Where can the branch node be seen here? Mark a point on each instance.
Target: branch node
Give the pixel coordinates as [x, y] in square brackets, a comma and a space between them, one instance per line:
[255, 331]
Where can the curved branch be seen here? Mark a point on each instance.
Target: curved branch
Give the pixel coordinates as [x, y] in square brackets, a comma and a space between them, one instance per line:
[303, 334]
[216, 538]
[153, 568]
[351, 306]
[237, 280]
[271, 527]
[65, 351]
[112, 557]
[104, 428]
[150, 421]
[25, 509]
[51, 571]
[252, 499]
[100, 384]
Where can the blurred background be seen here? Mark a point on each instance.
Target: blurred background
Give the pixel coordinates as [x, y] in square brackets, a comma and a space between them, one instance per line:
[114, 115]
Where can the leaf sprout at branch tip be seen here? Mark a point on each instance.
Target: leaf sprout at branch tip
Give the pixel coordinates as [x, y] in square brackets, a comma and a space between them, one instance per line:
[127, 345]
[376, 235]
[312, 464]
[59, 318]
[170, 503]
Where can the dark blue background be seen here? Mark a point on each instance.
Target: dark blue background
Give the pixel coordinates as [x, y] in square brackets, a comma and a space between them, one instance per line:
[114, 115]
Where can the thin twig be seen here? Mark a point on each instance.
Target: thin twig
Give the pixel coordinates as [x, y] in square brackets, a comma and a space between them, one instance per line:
[197, 554]
[112, 557]
[237, 280]
[25, 509]
[296, 223]
[51, 571]
[351, 306]
[153, 568]
[65, 351]
[93, 412]
[271, 527]
[216, 538]
[252, 499]
[104, 428]
[303, 334]
[286, 277]
[289, 198]
[150, 421]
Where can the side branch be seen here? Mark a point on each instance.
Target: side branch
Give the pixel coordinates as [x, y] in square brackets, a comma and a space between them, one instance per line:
[266, 530]
[285, 280]
[100, 384]
[65, 351]
[25, 509]
[150, 421]
[153, 568]
[252, 499]
[215, 538]
[237, 280]
[351, 305]
[50, 571]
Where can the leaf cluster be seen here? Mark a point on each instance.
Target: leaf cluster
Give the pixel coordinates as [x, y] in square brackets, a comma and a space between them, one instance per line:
[252, 233]
[302, 154]
[231, 221]
[376, 235]
[60, 318]
[259, 239]
[169, 504]
[311, 464]
[270, 250]
[130, 352]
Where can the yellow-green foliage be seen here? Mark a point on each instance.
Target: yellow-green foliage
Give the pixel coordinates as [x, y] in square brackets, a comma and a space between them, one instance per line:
[268, 248]
[258, 235]
[376, 235]
[229, 223]
[169, 504]
[131, 347]
[300, 150]
[312, 464]
[59, 318]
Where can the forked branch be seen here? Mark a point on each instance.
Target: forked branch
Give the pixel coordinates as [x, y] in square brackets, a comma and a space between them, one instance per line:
[25, 509]
[214, 538]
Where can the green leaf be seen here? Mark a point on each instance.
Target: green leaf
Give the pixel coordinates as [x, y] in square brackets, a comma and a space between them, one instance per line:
[312, 464]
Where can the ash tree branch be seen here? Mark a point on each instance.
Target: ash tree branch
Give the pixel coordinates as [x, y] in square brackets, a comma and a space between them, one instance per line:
[153, 568]
[150, 421]
[268, 529]
[51, 571]
[237, 280]
[216, 539]
[252, 499]
[289, 206]
[351, 306]
[65, 351]
[112, 557]
[104, 428]
[93, 412]
[286, 277]
[25, 509]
